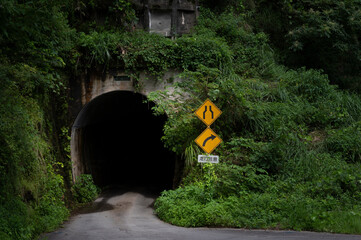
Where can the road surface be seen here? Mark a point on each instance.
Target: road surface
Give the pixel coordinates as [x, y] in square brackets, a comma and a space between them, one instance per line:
[120, 214]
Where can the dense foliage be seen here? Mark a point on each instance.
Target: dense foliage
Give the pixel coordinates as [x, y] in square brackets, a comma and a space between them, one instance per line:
[34, 36]
[291, 153]
[316, 34]
[84, 190]
[35, 41]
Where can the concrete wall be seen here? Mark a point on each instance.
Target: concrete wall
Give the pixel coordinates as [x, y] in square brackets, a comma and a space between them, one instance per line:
[167, 17]
[97, 84]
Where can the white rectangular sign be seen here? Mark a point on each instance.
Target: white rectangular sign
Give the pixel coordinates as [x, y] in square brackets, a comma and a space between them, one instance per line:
[208, 159]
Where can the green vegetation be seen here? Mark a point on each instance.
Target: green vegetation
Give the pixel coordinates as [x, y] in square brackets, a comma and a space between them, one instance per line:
[292, 151]
[316, 34]
[140, 51]
[34, 38]
[35, 41]
[84, 190]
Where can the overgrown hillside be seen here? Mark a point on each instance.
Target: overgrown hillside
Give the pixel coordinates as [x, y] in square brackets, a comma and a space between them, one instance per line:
[34, 169]
[291, 152]
[292, 141]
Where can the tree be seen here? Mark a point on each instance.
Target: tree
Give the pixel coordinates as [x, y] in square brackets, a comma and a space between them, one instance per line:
[316, 34]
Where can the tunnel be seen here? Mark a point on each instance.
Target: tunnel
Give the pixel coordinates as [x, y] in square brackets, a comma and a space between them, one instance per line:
[117, 139]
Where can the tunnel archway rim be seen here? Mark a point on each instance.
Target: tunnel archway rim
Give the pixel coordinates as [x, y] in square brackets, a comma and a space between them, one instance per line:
[88, 104]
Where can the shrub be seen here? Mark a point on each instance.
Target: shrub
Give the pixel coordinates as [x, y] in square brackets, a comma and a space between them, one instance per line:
[311, 85]
[233, 179]
[313, 165]
[51, 210]
[346, 141]
[84, 189]
[15, 223]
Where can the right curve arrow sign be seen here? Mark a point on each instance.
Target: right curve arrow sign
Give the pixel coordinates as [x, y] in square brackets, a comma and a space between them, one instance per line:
[208, 140]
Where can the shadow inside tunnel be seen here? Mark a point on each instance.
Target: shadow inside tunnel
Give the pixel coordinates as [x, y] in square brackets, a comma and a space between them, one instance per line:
[119, 142]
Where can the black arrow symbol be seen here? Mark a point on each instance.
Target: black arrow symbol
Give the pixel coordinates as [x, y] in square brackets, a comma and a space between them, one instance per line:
[210, 109]
[212, 137]
[205, 110]
[204, 113]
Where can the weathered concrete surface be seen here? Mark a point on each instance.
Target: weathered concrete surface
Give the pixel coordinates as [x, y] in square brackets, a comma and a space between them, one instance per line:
[96, 84]
[129, 215]
[167, 17]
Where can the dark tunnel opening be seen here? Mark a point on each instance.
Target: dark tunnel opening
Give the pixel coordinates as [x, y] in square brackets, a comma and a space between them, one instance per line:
[121, 143]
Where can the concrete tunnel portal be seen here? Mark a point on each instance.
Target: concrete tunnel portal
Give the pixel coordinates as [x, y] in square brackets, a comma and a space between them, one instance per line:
[117, 140]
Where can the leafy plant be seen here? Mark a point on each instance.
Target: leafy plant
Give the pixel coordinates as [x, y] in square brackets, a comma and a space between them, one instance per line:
[84, 189]
[346, 141]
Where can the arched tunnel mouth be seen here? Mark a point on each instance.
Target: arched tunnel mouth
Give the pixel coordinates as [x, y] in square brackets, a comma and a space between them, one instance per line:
[118, 142]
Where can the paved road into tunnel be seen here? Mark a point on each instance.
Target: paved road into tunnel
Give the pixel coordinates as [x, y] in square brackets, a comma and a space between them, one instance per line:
[120, 214]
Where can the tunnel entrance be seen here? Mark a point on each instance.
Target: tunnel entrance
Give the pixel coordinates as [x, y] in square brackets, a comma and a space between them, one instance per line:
[117, 139]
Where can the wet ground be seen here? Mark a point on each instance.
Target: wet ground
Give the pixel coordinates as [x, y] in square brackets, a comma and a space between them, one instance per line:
[128, 214]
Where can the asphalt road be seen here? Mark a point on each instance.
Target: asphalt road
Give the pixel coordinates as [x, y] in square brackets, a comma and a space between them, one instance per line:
[120, 214]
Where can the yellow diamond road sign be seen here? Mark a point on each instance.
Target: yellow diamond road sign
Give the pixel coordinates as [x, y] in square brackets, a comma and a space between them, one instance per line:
[208, 140]
[208, 112]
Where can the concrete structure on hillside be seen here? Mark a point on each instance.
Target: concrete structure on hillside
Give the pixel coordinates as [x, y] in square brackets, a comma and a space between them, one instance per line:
[94, 84]
[167, 17]
[104, 104]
